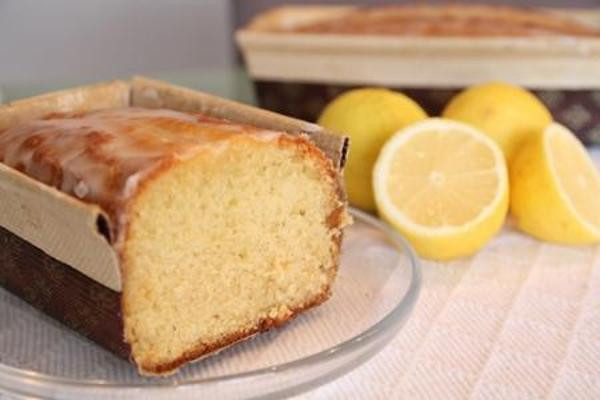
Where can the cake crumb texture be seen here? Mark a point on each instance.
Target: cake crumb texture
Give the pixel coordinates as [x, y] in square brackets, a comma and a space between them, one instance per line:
[226, 244]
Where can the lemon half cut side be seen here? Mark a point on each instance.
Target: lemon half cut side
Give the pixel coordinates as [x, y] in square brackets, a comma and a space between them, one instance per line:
[444, 185]
[555, 189]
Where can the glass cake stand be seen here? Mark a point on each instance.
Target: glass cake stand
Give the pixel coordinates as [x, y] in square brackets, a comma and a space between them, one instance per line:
[376, 289]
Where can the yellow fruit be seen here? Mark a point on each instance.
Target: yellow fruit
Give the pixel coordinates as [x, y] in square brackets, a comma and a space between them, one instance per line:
[369, 117]
[444, 185]
[555, 189]
[507, 113]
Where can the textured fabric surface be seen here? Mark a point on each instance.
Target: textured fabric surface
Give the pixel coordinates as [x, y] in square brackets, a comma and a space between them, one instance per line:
[519, 320]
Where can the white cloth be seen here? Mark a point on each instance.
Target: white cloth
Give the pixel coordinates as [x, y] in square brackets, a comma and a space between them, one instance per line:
[519, 320]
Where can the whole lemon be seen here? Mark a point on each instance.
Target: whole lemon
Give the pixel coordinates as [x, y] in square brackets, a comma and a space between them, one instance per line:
[507, 113]
[369, 116]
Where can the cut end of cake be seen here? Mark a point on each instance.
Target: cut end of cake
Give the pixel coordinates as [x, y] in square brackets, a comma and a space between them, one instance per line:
[226, 244]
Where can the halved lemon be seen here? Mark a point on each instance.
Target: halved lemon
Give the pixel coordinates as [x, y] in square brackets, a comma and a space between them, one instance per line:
[555, 189]
[443, 184]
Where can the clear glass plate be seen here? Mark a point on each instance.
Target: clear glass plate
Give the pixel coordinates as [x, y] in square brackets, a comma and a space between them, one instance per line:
[376, 289]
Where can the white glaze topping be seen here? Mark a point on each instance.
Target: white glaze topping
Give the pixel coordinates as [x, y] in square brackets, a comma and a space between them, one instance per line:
[101, 157]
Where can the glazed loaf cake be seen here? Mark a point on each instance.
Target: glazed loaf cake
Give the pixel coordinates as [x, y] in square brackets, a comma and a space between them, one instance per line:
[221, 229]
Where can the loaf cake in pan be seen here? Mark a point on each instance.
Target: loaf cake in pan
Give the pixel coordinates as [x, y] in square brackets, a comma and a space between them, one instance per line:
[302, 56]
[166, 224]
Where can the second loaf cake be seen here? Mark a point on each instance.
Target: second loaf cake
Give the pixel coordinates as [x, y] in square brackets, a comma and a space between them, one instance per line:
[222, 230]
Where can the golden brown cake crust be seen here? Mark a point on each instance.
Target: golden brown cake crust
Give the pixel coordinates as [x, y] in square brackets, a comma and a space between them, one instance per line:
[448, 20]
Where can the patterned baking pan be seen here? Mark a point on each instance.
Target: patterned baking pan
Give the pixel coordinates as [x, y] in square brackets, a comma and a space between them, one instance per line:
[298, 73]
[577, 109]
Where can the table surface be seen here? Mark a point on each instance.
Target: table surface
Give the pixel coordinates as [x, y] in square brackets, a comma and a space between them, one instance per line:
[520, 319]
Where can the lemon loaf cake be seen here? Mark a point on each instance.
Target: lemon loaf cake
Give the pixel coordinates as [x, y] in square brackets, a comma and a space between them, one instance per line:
[222, 230]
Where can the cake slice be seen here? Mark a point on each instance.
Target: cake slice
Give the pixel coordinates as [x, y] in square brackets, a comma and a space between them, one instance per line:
[222, 230]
